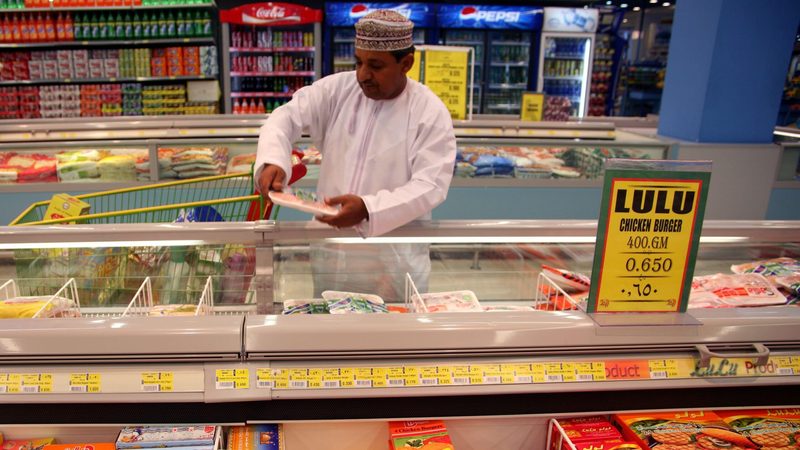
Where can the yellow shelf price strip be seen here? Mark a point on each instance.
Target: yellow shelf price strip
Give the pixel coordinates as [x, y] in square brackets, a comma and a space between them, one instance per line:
[35, 383]
[519, 373]
[232, 379]
[10, 383]
[85, 383]
[158, 381]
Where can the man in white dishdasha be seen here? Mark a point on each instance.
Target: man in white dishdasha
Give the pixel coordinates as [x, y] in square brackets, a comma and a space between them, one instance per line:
[388, 150]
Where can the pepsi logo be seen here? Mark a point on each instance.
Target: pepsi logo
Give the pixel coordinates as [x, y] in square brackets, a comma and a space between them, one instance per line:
[468, 12]
[359, 10]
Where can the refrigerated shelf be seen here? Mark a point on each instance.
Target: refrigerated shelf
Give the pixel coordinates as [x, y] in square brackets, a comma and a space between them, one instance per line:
[271, 50]
[116, 43]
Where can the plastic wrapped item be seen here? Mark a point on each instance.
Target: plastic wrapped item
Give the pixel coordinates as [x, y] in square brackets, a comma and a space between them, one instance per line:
[567, 280]
[27, 307]
[340, 302]
[310, 306]
[301, 201]
[241, 163]
[117, 168]
[264, 436]
[454, 301]
[168, 436]
[769, 267]
[749, 289]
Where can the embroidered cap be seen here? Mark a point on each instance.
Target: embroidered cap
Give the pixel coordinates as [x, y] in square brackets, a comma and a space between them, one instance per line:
[384, 30]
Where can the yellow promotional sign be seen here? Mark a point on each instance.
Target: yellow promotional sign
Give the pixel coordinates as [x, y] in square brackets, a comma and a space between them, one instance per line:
[532, 106]
[446, 75]
[647, 239]
[414, 72]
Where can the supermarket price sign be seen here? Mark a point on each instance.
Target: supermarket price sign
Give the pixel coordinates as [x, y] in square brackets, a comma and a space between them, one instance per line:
[532, 106]
[446, 75]
[651, 216]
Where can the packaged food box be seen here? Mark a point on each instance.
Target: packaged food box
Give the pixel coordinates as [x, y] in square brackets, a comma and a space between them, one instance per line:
[603, 431]
[455, 301]
[165, 436]
[680, 430]
[90, 446]
[64, 205]
[421, 434]
[767, 428]
[256, 437]
[27, 444]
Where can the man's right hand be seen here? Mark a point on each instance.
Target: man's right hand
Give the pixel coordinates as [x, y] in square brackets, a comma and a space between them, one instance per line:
[271, 179]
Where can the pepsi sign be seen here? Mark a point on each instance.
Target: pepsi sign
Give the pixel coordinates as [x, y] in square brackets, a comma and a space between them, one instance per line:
[347, 14]
[490, 16]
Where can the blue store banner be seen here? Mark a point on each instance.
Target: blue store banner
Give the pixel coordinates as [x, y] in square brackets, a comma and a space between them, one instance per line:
[490, 16]
[347, 14]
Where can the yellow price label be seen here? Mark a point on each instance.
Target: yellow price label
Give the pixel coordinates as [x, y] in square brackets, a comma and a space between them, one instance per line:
[35, 383]
[590, 371]
[648, 232]
[84, 383]
[661, 369]
[265, 378]
[232, 379]
[348, 377]
[446, 75]
[517, 373]
[158, 381]
[10, 383]
[532, 106]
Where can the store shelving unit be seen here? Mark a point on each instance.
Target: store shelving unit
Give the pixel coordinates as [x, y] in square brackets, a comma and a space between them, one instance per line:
[115, 43]
[107, 80]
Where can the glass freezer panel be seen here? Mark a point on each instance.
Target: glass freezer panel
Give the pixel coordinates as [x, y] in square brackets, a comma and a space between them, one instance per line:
[344, 49]
[474, 39]
[565, 71]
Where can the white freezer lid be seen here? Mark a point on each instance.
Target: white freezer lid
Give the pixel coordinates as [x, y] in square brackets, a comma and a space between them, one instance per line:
[204, 338]
[508, 333]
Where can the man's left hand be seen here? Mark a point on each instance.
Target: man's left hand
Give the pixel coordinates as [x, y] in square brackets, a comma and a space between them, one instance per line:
[353, 211]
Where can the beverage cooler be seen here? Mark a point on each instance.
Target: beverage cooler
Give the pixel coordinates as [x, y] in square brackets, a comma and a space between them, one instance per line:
[566, 57]
[269, 50]
[503, 38]
[340, 19]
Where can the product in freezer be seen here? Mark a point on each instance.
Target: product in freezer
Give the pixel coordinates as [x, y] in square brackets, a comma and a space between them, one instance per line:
[166, 436]
[32, 167]
[192, 162]
[88, 446]
[748, 289]
[241, 163]
[310, 306]
[567, 280]
[117, 168]
[339, 302]
[770, 267]
[32, 444]
[419, 434]
[679, 430]
[455, 301]
[256, 437]
[769, 429]
[588, 433]
[25, 307]
[175, 310]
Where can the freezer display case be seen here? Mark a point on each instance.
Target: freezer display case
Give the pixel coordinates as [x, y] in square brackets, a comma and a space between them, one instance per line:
[496, 374]
[269, 50]
[504, 38]
[340, 18]
[566, 56]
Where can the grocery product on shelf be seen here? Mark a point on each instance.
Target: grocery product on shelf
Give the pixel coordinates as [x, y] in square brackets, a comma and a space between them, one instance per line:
[196, 437]
[27, 167]
[601, 75]
[767, 428]
[737, 290]
[338, 302]
[680, 429]
[87, 446]
[265, 436]
[27, 444]
[26, 307]
[455, 301]
[557, 108]
[193, 162]
[419, 434]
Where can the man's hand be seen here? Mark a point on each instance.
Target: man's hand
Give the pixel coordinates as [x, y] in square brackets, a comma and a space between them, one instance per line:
[353, 211]
[271, 179]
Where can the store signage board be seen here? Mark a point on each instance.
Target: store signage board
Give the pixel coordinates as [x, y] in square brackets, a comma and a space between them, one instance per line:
[446, 74]
[490, 17]
[270, 14]
[532, 106]
[347, 14]
[574, 20]
[651, 216]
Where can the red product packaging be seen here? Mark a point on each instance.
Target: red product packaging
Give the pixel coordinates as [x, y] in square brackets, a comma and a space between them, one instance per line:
[614, 444]
[701, 429]
[421, 434]
[768, 428]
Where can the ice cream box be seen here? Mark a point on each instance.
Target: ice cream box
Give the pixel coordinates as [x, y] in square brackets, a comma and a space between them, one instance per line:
[702, 429]
[256, 437]
[421, 434]
[200, 436]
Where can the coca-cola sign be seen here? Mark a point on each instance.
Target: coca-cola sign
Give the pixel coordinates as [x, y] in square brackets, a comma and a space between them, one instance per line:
[271, 14]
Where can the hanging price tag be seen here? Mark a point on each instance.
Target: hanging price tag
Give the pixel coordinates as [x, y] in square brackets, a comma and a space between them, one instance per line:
[232, 379]
[84, 383]
[158, 381]
[648, 235]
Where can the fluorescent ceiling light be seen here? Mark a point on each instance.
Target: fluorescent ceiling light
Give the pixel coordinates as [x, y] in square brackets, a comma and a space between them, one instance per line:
[665, 4]
[636, 8]
[608, 2]
[624, 5]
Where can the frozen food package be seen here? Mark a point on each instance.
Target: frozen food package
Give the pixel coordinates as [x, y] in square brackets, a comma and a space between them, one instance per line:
[680, 429]
[241, 163]
[167, 436]
[298, 202]
[117, 168]
[82, 446]
[567, 280]
[769, 267]
[265, 436]
[767, 428]
[419, 434]
[309, 306]
[175, 310]
[27, 444]
[747, 289]
[27, 307]
[340, 302]
[454, 301]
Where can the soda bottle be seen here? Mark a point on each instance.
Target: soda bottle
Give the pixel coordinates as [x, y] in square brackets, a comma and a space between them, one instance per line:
[162, 26]
[206, 24]
[16, 30]
[69, 27]
[236, 107]
[154, 27]
[23, 28]
[49, 28]
[260, 108]
[181, 28]
[197, 23]
[98, 24]
[8, 35]
[128, 33]
[111, 27]
[170, 25]
[137, 26]
[119, 27]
